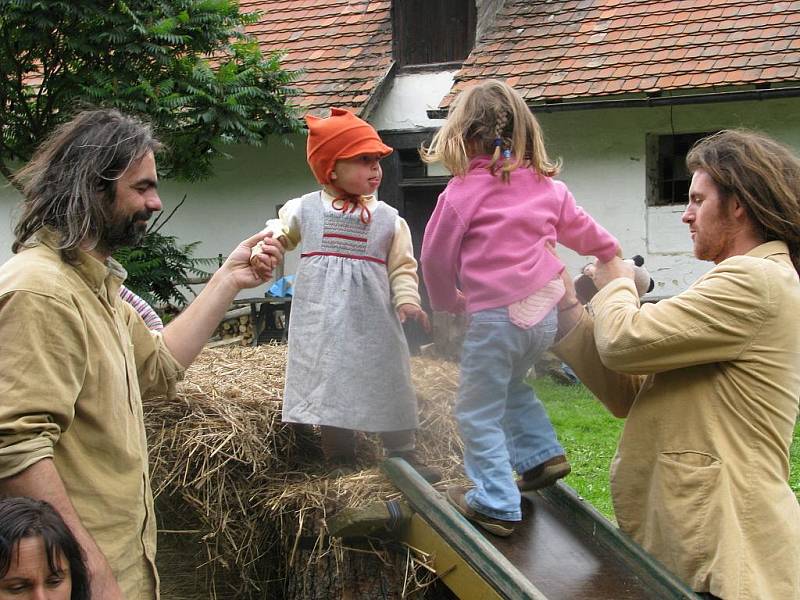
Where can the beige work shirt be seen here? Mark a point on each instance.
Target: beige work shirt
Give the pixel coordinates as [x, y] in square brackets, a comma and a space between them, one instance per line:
[76, 361]
[711, 392]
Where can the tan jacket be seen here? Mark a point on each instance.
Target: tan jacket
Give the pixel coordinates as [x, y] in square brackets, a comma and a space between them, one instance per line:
[711, 394]
[75, 361]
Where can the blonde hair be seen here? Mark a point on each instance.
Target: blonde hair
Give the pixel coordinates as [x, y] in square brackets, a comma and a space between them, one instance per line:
[490, 118]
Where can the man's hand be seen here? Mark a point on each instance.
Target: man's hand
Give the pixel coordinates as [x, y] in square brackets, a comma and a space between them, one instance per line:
[415, 313]
[102, 581]
[185, 335]
[606, 272]
[251, 263]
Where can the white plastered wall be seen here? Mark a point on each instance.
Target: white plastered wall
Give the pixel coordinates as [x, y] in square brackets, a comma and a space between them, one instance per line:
[604, 154]
[408, 99]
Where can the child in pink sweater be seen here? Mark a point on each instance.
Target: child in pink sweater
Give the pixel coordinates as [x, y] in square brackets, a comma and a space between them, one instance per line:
[485, 252]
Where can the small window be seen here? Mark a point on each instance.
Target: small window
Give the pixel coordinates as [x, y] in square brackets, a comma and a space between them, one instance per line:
[668, 177]
[432, 31]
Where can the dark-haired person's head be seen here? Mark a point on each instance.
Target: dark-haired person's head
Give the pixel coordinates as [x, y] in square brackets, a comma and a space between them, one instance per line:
[78, 177]
[39, 557]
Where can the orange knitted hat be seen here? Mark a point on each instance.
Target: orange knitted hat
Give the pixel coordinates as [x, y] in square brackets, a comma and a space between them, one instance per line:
[342, 135]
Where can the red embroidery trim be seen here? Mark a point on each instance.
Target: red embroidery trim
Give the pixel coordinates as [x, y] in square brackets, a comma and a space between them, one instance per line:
[344, 237]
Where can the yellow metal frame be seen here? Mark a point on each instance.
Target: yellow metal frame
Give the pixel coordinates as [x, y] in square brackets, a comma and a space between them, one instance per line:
[452, 569]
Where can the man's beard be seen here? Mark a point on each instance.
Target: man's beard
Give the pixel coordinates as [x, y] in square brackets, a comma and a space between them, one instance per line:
[124, 231]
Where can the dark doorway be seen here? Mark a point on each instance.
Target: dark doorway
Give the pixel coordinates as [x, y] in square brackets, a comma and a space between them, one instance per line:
[408, 187]
[419, 202]
[418, 27]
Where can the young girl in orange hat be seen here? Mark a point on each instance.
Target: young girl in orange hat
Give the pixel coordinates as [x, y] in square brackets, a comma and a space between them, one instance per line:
[348, 362]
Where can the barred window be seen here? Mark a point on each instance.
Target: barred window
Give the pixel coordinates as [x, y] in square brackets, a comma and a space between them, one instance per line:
[668, 177]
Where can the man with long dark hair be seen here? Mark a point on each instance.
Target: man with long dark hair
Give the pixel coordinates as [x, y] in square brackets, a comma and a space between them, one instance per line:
[77, 360]
[709, 380]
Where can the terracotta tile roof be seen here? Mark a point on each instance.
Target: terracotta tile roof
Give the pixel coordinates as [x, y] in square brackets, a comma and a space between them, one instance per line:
[343, 46]
[589, 48]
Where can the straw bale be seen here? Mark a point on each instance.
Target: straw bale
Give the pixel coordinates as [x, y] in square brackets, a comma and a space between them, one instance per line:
[244, 488]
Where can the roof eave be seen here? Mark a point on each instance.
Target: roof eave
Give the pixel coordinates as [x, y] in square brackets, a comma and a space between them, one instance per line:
[787, 91]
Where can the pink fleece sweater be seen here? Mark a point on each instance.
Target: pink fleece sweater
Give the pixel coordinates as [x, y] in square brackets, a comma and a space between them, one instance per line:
[487, 238]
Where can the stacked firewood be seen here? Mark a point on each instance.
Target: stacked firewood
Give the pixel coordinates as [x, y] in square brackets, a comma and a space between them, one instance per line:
[236, 328]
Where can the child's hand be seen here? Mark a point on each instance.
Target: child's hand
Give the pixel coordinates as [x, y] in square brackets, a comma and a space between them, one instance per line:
[248, 268]
[259, 255]
[415, 313]
[606, 272]
[568, 316]
[461, 302]
[570, 297]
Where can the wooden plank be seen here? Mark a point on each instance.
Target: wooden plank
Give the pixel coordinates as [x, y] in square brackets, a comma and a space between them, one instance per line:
[225, 342]
[562, 550]
[373, 520]
[583, 517]
[568, 558]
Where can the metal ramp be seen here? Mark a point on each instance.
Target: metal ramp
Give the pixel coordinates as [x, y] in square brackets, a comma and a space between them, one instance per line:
[563, 549]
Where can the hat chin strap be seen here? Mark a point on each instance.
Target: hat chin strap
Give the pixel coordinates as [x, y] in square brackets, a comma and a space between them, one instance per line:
[348, 203]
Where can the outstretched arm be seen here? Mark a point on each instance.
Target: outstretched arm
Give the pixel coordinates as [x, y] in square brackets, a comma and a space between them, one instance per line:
[578, 231]
[186, 335]
[576, 346]
[711, 322]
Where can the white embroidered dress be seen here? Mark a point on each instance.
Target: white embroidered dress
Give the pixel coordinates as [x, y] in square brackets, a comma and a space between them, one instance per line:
[348, 361]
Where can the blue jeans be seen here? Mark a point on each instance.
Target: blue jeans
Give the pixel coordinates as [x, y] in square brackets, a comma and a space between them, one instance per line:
[503, 424]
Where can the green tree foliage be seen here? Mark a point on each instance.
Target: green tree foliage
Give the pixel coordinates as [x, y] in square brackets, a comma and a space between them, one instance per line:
[185, 65]
[158, 269]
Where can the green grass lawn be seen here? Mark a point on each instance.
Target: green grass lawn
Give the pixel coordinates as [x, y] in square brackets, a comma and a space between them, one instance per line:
[589, 433]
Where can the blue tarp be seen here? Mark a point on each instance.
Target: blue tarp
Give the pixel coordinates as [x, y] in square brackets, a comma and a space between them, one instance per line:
[282, 288]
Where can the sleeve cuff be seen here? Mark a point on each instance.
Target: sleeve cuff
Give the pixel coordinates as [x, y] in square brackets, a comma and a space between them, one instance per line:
[619, 284]
[164, 374]
[408, 299]
[275, 226]
[14, 459]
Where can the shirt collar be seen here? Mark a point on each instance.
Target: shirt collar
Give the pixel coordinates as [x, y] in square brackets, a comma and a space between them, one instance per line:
[98, 276]
[770, 249]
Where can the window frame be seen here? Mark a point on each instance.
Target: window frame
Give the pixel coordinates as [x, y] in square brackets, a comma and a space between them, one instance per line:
[410, 26]
[658, 165]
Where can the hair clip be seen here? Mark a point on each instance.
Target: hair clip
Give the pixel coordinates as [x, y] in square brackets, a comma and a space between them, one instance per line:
[507, 153]
[498, 141]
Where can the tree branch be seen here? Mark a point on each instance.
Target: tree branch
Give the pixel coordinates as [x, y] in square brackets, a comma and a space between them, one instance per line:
[9, 175]
[153, 228]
